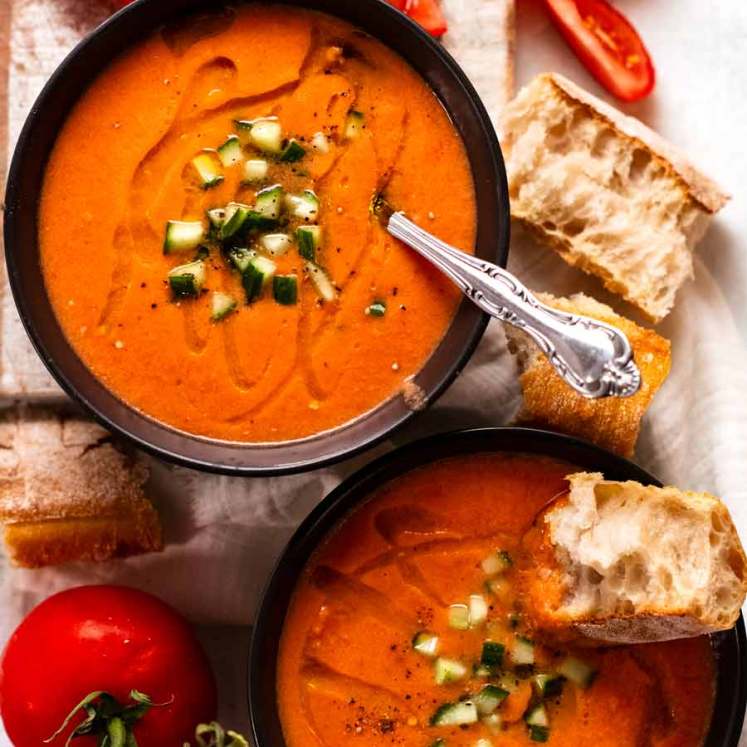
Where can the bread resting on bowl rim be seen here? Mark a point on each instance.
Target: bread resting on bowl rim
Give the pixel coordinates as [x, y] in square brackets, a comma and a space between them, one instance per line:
[619, 562]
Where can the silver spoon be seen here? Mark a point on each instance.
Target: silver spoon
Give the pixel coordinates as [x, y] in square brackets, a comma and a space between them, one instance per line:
[593, 357]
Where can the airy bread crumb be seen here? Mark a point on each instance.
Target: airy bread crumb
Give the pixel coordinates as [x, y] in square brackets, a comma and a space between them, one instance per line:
[548, 402]
[605, 191]
[626, 563]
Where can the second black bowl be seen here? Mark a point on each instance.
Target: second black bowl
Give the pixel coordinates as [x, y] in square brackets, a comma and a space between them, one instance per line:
[729, 647]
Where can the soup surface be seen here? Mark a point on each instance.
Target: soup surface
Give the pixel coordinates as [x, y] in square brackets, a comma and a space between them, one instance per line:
[406, 628]
[237, 323]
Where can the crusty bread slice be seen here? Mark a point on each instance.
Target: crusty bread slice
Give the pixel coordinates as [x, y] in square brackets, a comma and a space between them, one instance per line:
[605, 191]
[548, 402]
[67, 493]
[618, 562]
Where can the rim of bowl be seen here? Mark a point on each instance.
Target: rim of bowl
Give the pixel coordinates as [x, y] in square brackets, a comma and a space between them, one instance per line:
[728, 647]
[26, 173]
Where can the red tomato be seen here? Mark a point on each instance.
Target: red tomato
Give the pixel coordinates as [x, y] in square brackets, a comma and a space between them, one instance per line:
[607, 44]
[427, 13]
[107, 638]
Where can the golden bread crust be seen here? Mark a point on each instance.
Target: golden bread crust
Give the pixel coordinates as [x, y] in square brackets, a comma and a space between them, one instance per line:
[68, 493]
[612, 423]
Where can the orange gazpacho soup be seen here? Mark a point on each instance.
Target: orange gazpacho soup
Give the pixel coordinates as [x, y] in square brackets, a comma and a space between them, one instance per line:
[205, 232]
[406, 628]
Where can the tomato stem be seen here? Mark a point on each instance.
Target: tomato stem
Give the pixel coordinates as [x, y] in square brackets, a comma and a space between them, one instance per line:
[108, 719]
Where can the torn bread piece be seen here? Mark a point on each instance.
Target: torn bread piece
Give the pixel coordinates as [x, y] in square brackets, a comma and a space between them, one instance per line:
[548, 402]
[67, 493]
[605, 191]
[619, 562]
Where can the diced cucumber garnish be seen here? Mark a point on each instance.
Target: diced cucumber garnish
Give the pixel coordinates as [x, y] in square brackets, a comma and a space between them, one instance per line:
[252, 281]
[260, 222]
[257, 274]
[243, 127]
[493, 723]
[275, 244]
[304, 206]
[425, 643]
[321, 281]
[308, 238]
[187, 280]
[478, 607]
[255, 170]
[498, 562]
[492, 655]
[538, 723]
[217, 217]
[578, 672]
[547, 685]
[221, 305]
[266, 266]
[182, 236]
[354, 125]
[293, 151]
[537, 716]
[459, 616]
[230, 152]
[240, 258]
[377, 308]
[236, 215]
[270, 202]
[522, 651]
[455, 714]
[265, 134]
[448, 670]
[489, 698]
[320, 142]
[285, 289]
[208, 170]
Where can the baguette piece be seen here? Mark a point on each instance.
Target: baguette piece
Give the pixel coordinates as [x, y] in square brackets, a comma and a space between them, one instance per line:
[67, 493]
[619, 562]
[606, 192]
[548, 402]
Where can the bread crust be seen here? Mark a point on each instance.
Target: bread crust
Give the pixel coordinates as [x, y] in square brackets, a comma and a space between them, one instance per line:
[68, 493]
[554, 574]
[548, 402]
[698, 185]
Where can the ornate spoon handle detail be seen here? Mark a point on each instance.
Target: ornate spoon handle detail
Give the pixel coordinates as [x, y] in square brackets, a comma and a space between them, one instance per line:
[593, 357]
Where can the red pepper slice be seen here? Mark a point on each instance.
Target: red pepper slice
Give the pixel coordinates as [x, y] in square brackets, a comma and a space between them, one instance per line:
[609, 46]
[427, 13]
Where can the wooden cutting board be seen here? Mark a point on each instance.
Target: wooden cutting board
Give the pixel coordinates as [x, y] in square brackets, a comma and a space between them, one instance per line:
[35, 35]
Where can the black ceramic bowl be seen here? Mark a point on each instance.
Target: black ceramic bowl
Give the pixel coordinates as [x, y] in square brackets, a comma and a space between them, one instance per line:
[73, 76]
[729, 647]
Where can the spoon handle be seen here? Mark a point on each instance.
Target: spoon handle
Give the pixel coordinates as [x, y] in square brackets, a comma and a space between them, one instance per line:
[593, 357]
